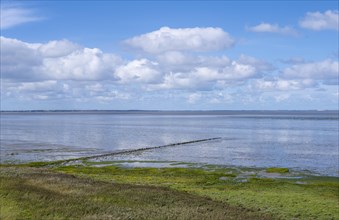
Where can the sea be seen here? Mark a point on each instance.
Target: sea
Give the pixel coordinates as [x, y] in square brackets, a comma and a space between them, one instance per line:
[299, 140]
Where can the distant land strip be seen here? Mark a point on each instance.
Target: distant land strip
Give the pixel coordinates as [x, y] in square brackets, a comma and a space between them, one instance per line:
[227, 112]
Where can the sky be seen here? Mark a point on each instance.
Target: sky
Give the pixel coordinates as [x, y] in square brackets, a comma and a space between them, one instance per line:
[169, 55]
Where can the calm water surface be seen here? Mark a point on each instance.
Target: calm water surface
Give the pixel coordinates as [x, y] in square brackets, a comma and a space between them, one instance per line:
[302, 141]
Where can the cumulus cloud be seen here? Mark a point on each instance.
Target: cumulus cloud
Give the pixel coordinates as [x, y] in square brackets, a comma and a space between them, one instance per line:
[37, 86]
[175, 81]
[273, 28]
[112, 95]
[213, 74]
[13, 15]
[175, 61]
[193, 98]
[244, 68]
[326, 70]
[211, 97]
[238, 71]
[182, 39]
[19, 59]
[279, 84]
[141, 70]
[329, 20]
[41, 90]
[54, 60]
[301, 76]
[83, 64]
[175, 58]
[87, 91]
[65, 60]
[220, 97]
[260, 65]
[57, 48]
[63, 70]
[282, 97]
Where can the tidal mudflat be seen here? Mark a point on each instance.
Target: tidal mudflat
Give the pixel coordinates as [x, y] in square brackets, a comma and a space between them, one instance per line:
[298, 140]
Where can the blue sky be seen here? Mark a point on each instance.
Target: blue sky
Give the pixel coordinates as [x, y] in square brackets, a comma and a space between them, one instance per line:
[194, 55]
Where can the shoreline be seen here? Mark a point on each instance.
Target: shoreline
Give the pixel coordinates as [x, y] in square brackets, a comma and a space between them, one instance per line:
[109, 158]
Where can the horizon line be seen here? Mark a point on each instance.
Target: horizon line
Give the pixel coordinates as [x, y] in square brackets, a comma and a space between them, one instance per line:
[167, 110]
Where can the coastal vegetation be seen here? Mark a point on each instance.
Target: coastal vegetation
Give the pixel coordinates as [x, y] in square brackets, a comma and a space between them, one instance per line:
[103, 190]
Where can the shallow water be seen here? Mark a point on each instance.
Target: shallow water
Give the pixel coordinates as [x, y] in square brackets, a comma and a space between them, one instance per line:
[298, 140]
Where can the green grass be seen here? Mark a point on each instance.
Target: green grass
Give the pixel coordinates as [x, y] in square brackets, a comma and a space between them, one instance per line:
[162, 192]
[38, 193]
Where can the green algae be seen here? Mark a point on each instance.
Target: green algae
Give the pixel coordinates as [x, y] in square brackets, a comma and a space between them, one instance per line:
[283, 198]
[305, 197]
[277, 170]
[39, 193]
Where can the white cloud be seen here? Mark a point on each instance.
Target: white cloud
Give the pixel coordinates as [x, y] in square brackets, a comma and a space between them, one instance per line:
[54, 60]
[215, 61]
[220, 97]
[12, 15]
[174, 81]
[37, 86]
[244, 68]
[326, 70]
[260, 65]
[83, 64]
[175, 61]
[141, 70]
[238, 71]
[273, 28]
[212, 67]
[63, 70]
[174, 58]
[206, 74]
[278, 84]
[64, 60]
[112, 95]
[42, 90]
[182, 39]
[19, 59]
[41, 97]
[57, 48]
[95, 88]
[86, 91]
[193, 98]
[282, 97]
[217, 72]
[329, 20]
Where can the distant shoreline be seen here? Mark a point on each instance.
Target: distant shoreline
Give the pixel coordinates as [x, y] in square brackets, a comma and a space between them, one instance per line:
[276, 114]
[184, 112]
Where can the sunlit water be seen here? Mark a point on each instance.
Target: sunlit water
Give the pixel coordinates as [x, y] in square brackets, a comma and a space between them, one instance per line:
[302, 141]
